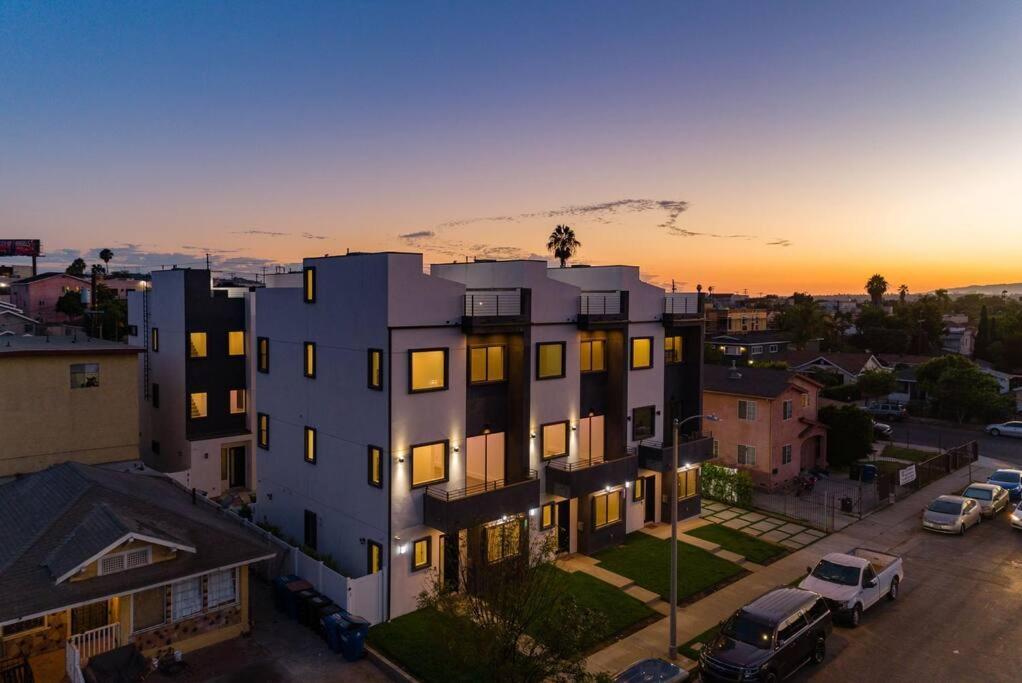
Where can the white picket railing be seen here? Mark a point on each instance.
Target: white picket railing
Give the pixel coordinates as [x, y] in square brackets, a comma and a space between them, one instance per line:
[95, 642]
[73, 664]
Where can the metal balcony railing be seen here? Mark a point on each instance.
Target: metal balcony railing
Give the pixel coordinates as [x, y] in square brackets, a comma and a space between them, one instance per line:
[584, 463]
[681, 303]
[600, 303]
[474, 490]
[492, 303]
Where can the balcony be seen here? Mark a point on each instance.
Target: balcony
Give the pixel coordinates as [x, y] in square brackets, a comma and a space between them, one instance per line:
[582, 477]
[449, 510]
[694, 448]
[496, 310]
[598, 309]
[82, 647]
[681, 307]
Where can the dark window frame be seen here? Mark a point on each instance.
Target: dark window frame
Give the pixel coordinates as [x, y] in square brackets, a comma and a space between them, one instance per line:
[265, 445]
[310, 515]
[631, 353]
[371, 451]
[447, 369]
[652, 433]
[567, 440]
[155, 391]
[605, 495]
[306, 345]
[564, 359]
[375, 386]
[307, 296]
[677, 352]
[553, 516]
[602, 342]
[315, 445]
[447, 463]
[429, 553]
[370, 544]
[263, 359]
[503, 359]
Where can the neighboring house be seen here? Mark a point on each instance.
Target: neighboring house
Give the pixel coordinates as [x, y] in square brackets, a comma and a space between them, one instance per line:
[1018, 399]
[723, 320]
[196, 407]
[37, 295]
[768, 422]
[955, 319]
[123, 286]
[14, 321]
[1006, 381]
[751, 346]
[409, 422]
[92, 559]
[960, 340]
[847, 365]
[66, 399]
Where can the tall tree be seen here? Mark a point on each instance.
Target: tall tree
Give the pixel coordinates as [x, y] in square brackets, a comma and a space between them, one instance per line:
[77, 267]
[876, 287]
[902, 293]
[983, 336]
[804, 319]
[562, 243]
[70, 304]
[105, 255]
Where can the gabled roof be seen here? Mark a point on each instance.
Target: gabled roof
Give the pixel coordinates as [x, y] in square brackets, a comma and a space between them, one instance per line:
[852, 363]
[760, 382]
[56, 520]
[45, 276]
[754, 337]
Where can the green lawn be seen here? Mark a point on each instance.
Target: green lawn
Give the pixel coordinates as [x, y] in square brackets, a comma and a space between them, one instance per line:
[418, 641]
[910, 454]
[647, 561]
[704, 638]
[752, 548]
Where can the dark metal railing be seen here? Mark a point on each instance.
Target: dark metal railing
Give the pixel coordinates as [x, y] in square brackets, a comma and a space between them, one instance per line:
[586, 463]
[493, 303]
[600, 303]
[475, 489]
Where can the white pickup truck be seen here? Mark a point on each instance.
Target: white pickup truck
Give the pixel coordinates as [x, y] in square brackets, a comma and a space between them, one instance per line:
[855, 581]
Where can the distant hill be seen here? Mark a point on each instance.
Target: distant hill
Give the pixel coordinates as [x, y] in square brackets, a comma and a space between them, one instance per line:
[1014, 289]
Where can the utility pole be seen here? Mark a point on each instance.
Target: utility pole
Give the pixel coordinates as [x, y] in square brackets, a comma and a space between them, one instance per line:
[672, 648]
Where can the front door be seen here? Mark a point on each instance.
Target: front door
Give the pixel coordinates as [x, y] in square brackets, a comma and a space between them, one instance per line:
[564, 526]
[88, 617]
[232, 467]
[649, 488]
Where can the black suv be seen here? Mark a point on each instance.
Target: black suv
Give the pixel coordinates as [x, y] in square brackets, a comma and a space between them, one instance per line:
[769, 639]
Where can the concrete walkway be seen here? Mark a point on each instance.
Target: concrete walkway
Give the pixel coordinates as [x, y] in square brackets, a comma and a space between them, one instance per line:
[587, 565]
[884, 530]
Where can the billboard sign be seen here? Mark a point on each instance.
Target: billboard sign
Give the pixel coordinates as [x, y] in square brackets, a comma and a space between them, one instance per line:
[20, 248]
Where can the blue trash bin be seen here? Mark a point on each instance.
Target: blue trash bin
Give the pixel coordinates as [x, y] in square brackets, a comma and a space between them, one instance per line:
[332, 631]
[353, 632]
[291, 593]
[325, 611]
[868, 473]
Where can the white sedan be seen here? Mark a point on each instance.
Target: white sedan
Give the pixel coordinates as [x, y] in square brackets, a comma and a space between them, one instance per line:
[951, 515]
[1013, 428]
[1016, 517]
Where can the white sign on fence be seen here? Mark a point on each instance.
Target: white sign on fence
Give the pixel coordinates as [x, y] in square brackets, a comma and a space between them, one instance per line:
[907, 475]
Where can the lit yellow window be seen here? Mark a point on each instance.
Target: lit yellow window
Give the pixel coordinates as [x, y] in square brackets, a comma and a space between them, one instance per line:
[688, 483]
[264, 430]
[310, 444]
[550, 360]
[546, 518]
[376, 466]
[642, 352]
[486, 364]
[639, 490]
[421, 553]
[310, 359]
[197, 344]
[672, 350]
[429, 370]
[429, 463]
[236, 343]
[555, 440]
[237, 401]
[264, 354]
[375, 563]
[592, 356]
[197, 402]
[375, 369]
[805, 400]
[504, 540]
[310, 285]
[155, 342]
[606, 508]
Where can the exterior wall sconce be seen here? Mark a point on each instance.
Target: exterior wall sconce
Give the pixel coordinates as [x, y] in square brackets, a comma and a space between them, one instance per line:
[532, 435]
[456, 449]
[400, 458]
[574, 426]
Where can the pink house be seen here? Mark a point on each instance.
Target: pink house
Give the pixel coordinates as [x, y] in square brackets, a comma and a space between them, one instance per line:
[37, 296]
[768, 422]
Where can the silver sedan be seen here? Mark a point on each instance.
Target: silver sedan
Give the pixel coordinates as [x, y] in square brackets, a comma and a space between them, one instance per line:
[992, 499]
[951, 515]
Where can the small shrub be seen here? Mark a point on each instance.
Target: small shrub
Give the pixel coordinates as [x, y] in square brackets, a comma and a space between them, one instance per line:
[726, 484]
[844, 392]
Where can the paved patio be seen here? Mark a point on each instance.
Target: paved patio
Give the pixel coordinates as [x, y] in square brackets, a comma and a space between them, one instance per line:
[761, 525]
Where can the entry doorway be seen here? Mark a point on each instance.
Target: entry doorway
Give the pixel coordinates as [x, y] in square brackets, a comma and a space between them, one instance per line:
[590, 439]
[450, 561]
[88, 617]
[649, 489]
[564, 526]
[233, 467]
[484, 461]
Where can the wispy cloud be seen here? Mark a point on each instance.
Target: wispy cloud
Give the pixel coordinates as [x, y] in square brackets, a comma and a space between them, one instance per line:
[419, 234]
[779, 243]
[310, 236]
[599, 211]
[264, 233]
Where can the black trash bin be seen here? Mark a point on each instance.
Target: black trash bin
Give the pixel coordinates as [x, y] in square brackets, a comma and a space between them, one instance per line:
[280, 589]
[846, 505]
[313, 611]
[290, 596]
[352, 634]
[304, 599]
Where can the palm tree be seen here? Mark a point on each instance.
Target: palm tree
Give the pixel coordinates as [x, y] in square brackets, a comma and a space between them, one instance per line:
[876, 286]
[902, 293]
[563, 244]
[105, 255]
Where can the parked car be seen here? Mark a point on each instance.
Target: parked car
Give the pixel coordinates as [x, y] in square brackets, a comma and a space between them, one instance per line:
[992, 498]
[882, 429]
[1016, 517]
[654, 669]
[1013, 428]
[769, 639]
[853, 582]
[951, 514]
[888, 411]
[1009, 480]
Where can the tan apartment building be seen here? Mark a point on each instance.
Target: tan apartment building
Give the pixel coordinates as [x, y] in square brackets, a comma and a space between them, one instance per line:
[66, 399]
[768, 422]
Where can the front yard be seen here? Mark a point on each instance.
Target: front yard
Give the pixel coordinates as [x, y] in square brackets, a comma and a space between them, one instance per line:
[647, 560]
[909, 454]
[750, 547]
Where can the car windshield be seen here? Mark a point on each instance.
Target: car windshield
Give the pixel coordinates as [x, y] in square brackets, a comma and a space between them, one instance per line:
[978, 493]
[748, 631]
[946, 507]
[1006, 477]
[836, 573]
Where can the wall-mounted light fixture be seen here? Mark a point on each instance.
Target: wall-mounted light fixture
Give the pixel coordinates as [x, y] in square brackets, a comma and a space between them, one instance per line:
[532, 435]
[400, 458]
[456, 449]
[574, 426]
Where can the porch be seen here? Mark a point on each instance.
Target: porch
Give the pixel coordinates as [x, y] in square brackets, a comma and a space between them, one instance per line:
[82, 647]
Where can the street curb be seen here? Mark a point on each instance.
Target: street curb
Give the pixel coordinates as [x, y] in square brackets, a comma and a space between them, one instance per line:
[392, 670]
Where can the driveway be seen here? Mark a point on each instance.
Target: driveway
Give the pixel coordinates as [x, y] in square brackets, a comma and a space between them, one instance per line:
[955, 620]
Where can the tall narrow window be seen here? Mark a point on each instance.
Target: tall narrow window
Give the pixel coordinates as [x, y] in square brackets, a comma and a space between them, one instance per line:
[156, 395]
[197, 405]
[427, 370]
[237, 398]
[642, 353]
[746, 455]
[546, 517]
[263, 354]
[606, 508]
[309, 362]
[422, 553]
[673, 350]
[688, 483]
[550, 360]
[593, 355]
[154, 339]
[787, 409]
[236, 343]
[805, 400]
[374, 557]
[376, 369]
[310, 445]
[747, 410]
[376, 466]
[786, 454]
[429, 463]
[309, 282]
[264, 430]
[311, 529]
[197, 345]
[554, 440]
[486, 364]
[643, 422]
[639, 490]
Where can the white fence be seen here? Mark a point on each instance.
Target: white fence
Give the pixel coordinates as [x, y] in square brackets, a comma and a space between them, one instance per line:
[73, 664]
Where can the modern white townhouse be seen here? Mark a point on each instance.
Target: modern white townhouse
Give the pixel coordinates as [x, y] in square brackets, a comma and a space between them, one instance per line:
[409, 422]
[195, 380]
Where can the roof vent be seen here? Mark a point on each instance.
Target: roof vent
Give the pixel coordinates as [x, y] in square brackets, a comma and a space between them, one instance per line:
[734, 372]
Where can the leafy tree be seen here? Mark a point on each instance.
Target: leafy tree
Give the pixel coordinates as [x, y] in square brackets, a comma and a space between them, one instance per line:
[804, 320]
[77, 267]
[873, 383]
[983, 336]
[105, 255]
[876, 287]
[562, 243]
[959, 390]
[70, 304]
[902, 293]
[849, 434]
[526, 628]
[98, 269]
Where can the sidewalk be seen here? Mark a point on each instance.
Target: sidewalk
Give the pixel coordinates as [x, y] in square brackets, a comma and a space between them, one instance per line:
[884, 530]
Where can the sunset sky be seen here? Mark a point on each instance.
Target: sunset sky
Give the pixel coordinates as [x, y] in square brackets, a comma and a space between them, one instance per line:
[814, 142]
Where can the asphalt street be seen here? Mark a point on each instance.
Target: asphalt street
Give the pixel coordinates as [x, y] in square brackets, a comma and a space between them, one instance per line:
[946, 436]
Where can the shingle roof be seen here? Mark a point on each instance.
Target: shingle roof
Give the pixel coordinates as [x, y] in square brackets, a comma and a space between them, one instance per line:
[764, 382]
[43, 276]
[68, 512]
[849, 362]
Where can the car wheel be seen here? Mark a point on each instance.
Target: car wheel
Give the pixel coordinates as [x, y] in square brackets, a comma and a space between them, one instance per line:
[892, 594]
[856, 616]
[769, 677]
[819, 651]
[995, 432]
